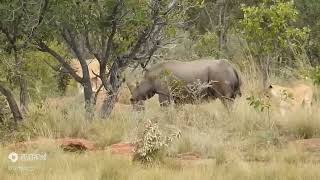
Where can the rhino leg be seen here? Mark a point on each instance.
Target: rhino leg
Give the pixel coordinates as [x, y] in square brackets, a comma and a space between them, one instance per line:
[224, 93]
[227, 102]
[164, 100]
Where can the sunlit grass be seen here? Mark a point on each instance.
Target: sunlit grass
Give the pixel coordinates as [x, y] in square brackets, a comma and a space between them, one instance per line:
[242, 144]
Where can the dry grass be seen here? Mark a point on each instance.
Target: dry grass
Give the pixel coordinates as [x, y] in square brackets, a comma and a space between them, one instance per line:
[245, 144]
[59, 165]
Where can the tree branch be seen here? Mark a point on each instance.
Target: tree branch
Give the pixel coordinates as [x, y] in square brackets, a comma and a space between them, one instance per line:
[42, 12]
[109, 43]
[91, 50]
[44, 48]
[12, 103]
[70, 38]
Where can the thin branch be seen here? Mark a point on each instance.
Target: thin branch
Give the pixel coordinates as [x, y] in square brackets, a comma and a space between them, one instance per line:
[44, 48]
[171, 6]
[96, 94]
[70, 38]
[42, 12]
[89, 46]
[109, 43]
[52, 67]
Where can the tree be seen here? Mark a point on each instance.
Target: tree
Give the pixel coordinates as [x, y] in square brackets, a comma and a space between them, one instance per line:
[211, 21]
[269, 31]
[309, 12]
[18, 21]
[12, 103]
[116, 32]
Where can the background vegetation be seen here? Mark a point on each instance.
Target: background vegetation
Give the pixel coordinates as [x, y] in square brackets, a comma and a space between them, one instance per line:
[274, 41]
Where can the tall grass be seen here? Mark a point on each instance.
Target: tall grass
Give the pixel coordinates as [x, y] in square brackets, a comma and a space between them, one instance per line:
[242, 144]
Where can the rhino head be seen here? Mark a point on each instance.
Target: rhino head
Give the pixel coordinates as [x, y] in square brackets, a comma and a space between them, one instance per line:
[141, 92]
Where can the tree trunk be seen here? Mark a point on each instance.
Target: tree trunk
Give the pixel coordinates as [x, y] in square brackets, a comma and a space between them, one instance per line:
[108, 105]
[221, 27]
[116, 83]
[264, 68]
[23, 94]
[22, 83]
[12, 103]
[88, 97]
[220, 30]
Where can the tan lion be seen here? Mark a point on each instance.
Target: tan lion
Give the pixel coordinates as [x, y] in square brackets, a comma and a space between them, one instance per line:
[290, 98]
[94, 69]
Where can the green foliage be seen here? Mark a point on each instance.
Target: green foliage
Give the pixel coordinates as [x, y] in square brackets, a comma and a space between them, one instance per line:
[258, 103]
[95, 19]
[207, 45]
[4, 109]
[268, 26]
[42, 79]
[315, 75]
[19, 19]
[309, 12]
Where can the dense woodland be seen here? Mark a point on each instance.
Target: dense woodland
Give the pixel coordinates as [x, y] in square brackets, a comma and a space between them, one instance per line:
[38, 38]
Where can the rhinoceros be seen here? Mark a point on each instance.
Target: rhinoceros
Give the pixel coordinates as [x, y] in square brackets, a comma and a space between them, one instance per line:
[223, 79]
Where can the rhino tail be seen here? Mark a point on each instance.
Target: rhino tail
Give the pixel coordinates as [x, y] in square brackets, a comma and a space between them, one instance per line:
[238, 84]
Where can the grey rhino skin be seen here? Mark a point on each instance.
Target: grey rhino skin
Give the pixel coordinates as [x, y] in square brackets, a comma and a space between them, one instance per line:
[223, 78]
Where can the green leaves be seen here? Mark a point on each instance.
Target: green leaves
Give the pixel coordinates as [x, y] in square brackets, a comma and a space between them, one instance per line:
[315, 75]
[258, 104]
[270, 24]
[207, 45]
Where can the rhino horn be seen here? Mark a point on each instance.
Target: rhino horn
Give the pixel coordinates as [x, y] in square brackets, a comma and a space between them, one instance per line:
[131, 87]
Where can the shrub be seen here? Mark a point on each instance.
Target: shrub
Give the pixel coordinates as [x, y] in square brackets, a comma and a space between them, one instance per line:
[316, 75]
[258, 103]
[4, 109]
[207, 45]
[151, 144]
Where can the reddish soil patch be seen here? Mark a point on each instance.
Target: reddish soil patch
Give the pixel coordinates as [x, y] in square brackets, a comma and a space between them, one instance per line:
[70, 144]
[67, 144]
[189, 156]
[309, 144]
[126, 149]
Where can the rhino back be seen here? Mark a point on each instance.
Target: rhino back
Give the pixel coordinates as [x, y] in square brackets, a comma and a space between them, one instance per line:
[204, 69]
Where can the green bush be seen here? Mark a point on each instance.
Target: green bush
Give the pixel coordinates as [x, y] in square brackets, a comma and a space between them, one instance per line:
[207, 45]
[4, 109]
[316, 75]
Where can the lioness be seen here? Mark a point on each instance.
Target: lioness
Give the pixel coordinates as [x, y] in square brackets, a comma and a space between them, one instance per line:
[290, 97]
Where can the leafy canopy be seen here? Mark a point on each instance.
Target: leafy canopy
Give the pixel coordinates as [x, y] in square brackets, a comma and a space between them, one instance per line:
[270, 25]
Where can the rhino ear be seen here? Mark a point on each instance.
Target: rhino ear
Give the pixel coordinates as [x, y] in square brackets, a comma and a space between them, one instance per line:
[131, 87]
